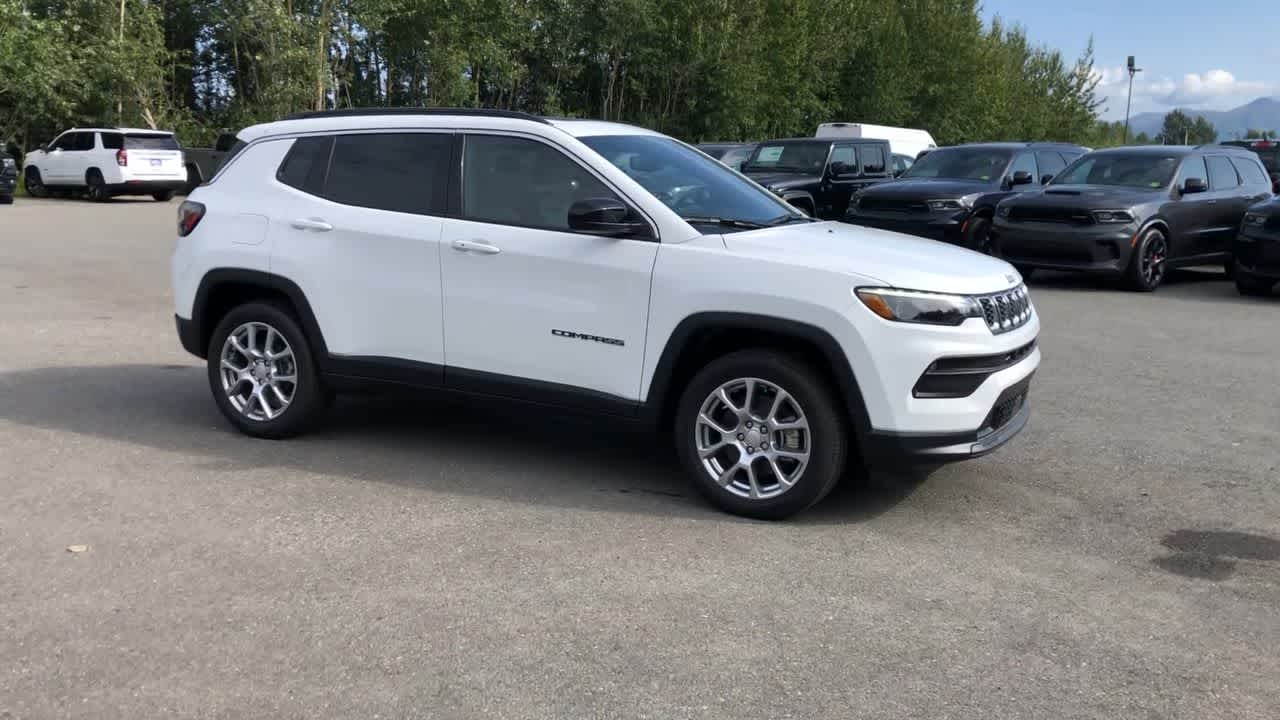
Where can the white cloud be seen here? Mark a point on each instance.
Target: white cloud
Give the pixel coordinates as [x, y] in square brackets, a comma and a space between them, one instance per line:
[1217, 88]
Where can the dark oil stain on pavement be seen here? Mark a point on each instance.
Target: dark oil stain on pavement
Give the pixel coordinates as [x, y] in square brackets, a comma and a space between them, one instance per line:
[1212, 554]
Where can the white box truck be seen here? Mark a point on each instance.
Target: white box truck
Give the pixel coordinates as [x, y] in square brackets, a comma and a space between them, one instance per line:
[903, 141]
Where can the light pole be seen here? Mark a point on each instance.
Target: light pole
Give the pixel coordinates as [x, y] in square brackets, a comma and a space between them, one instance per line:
[1132, 71]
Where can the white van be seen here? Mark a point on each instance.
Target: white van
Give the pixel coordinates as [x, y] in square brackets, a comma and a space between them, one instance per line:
[903, 141]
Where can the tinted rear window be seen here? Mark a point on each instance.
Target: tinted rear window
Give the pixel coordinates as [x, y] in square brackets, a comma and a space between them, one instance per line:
[402, 172]
[140, 141]
[112, 141]
[305, 164]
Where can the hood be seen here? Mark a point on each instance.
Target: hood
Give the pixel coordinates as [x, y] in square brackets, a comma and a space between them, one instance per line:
[930, 189]
[879, 256]
[783, 180]
[1091, 197]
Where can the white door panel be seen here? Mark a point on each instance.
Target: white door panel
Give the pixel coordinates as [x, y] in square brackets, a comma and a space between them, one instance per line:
[546, 305]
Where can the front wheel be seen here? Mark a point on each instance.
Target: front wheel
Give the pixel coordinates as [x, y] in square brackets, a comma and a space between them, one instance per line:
[1252, 285]
[34, 183]
[977, 235]
[1147, 265]
[262, 373]
[760, 434]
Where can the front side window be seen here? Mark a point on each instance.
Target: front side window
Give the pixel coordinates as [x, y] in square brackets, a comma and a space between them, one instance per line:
[1050, 163]
[1136, 170]
[1025, 162]
[1222, 176]
[64, 142]
[846, 155]
[961, 163]
[695, 187]
[516, 181]
[83, 142]
[799, 157]
[1192, 168]
[399, 172]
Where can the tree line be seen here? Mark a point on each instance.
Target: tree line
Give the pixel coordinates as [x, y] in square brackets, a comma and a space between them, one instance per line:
[696, 69]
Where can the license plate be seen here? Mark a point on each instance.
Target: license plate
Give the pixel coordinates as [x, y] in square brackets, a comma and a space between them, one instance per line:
[157, 163]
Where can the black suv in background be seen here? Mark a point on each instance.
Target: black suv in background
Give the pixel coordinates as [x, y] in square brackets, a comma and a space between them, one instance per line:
[1257, 249]
[730, 154]
[8, 178]
[1268, 151]
[950, 193]
[819, 175]
[1134, 211]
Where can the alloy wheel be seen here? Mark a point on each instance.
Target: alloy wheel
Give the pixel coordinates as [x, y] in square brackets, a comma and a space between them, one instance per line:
[752, 438]
[1154, 256]
[259, 372]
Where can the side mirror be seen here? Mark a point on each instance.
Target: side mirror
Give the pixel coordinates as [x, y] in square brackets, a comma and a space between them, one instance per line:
[839, 168]
[1022, 177]
[1046, 178]
[43, 147]
[606, 217]
[1194, 185]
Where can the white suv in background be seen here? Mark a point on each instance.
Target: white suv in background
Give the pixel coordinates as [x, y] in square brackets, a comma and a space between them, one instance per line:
[105, 162]
[597, 266]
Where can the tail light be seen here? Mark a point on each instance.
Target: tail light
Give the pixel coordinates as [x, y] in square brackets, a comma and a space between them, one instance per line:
[122, 157]
[189, 216]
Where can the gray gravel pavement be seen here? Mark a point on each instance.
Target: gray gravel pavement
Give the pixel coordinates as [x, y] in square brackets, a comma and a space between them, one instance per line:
[423, 558]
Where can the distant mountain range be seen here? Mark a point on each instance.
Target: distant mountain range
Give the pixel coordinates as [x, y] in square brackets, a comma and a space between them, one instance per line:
[1261, 114]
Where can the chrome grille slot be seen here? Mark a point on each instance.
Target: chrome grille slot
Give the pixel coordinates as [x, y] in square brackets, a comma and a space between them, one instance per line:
[1005, 311]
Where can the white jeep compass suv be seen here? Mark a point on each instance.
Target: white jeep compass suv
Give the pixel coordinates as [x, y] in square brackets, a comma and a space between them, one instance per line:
[596, 266]
[106, 162]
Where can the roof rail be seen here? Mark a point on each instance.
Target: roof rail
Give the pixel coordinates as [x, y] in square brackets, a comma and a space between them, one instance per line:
[360, 112]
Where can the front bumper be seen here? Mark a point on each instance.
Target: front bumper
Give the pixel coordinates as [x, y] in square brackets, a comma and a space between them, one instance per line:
[1007, 417]
[1257, 252]
[7, 184]
[934, 226]
[188, 336]
[1092, 248]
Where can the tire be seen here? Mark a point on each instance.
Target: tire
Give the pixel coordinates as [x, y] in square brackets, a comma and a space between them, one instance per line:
[977, 236]
[1025, 271]
[1252, 285]
[6, 199]
[34, 183]
[824, 445]
[163, 196]
[96, 187]
[308, 400]
[1147, 265]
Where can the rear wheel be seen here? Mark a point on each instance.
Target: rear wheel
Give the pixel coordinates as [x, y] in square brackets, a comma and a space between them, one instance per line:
[760, 434]
[163, 196]
[1148, 264]
[262, 373]
[35, 184]
[97, 187]
[6, 199]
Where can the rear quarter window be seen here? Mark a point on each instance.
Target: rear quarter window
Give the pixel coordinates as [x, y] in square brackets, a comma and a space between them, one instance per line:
[112, 141]
[1250, 171]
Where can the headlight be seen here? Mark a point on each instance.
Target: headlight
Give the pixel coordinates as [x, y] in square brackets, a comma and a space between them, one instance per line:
[1002, 211]
[1112, 216]
[945, 205]
[7, 163]
[1255, 219]
[919, 307]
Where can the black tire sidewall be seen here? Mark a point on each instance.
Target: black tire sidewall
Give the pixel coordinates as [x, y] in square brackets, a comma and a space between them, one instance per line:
[310, 398]
[827, 426]
[164, 196]
[979, 232]
[40, 190]
[1251, 285]
[1134, 277]
[100, 185]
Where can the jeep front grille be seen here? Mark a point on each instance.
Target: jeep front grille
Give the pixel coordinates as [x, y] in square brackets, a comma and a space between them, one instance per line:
[1008, 310]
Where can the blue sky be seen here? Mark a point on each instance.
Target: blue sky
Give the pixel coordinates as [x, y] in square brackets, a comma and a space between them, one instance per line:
[1207, 55]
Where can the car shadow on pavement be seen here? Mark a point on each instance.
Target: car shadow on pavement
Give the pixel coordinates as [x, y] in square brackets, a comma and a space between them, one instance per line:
[1198, 284]
[430, 441]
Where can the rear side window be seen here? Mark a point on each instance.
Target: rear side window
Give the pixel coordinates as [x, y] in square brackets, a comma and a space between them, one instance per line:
[1050, 163]
[112, 141]
[1222, 176]
[305, 164]
[147, 141]
[401, 172]
[84, 141]
[872, 159]
[1250, 171]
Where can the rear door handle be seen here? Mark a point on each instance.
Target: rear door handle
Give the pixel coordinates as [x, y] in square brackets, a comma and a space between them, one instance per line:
[475, 246]
[311, 224]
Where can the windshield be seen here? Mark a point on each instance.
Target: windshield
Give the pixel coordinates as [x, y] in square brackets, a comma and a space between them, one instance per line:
[805, 157]
[691, 184]
[959, 163]
[1136, 170]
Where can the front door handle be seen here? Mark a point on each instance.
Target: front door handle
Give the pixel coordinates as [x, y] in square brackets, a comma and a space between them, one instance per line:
[475, 246]
[311, 224]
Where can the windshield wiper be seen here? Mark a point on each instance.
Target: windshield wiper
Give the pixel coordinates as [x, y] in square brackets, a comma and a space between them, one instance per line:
[725, 222]
[789, 218]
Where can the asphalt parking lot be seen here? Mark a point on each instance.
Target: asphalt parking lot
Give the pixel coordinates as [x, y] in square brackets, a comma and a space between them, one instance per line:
[423, 558]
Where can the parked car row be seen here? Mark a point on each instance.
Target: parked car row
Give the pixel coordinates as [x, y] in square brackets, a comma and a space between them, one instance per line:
[8, 178]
